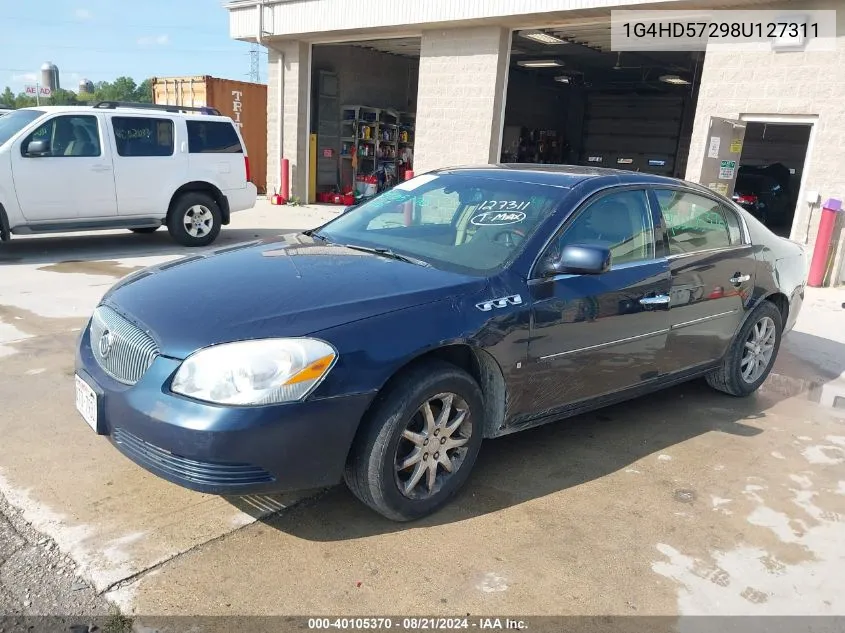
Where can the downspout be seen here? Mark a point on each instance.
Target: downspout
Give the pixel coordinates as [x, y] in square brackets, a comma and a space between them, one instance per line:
[259, 39]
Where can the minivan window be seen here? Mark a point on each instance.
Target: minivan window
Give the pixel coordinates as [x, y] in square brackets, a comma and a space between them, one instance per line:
[143, 136]
[693, 222]
[213, 137]
[462, 223]
[13, 122]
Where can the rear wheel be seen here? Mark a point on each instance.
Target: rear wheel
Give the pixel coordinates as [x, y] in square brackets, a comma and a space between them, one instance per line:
[194, 220]
[143, 230]
[418, 445]
[752, 353]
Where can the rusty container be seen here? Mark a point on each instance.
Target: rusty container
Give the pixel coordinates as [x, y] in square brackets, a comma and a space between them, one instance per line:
[244, 102]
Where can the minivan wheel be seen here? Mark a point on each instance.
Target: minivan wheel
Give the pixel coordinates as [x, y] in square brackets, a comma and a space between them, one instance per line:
[417, 446]
[752, 353]
[143, 230]
[194, 219]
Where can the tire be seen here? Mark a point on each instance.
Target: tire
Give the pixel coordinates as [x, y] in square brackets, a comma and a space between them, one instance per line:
[145, 230]
[729, 377]
[190, 205]
[371, 470]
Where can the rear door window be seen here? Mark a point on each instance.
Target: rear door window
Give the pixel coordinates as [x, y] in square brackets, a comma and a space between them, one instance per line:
[143, 136]
[695, 223]
[213, 137]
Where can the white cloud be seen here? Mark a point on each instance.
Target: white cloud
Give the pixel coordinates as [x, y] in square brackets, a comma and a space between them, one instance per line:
[82, 14]
[154, 40]
[25, 78]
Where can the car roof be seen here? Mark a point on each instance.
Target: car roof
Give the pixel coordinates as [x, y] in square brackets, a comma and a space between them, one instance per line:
[85, 109]
[567, 176]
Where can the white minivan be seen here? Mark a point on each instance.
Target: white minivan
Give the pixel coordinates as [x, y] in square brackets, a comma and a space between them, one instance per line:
[118, 165]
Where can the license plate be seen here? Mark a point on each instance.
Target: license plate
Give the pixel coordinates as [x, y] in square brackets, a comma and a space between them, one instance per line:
[86, 402]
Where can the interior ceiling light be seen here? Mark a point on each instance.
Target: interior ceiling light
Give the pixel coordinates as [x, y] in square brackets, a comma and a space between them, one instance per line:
[674, 79]
[540, 63]
[543, 38]
[564, 79]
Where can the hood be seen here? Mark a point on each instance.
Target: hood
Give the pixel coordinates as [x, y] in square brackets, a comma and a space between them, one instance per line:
[293, 286]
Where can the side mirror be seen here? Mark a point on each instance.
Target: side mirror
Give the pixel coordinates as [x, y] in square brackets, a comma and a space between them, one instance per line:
[38, 148]
[579, 259]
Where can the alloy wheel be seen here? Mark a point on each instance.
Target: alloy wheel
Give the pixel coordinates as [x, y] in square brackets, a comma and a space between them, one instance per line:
[198, 221]
[433, 445]
[759, 348]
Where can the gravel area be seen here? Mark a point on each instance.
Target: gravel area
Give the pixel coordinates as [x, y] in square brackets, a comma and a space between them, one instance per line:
[37, 580]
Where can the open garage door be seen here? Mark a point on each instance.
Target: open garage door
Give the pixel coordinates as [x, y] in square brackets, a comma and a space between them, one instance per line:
[572, 100]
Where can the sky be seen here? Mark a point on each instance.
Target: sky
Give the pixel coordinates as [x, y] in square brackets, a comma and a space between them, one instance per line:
[104, 39]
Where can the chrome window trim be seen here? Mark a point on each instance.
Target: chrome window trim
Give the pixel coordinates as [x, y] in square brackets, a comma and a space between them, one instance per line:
[643, 262]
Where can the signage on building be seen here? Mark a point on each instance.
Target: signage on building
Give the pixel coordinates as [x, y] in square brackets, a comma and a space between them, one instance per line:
[624, 161]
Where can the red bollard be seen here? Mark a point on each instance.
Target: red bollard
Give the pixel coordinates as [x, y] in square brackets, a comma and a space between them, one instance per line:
[285, 188]
[821, 251]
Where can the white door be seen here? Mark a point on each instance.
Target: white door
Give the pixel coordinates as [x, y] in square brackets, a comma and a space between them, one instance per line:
[150, 163]
[70, 176]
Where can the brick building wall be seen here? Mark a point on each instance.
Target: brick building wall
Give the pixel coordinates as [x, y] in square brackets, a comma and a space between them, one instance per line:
[784, 83]
[463, 73]
[287, 137]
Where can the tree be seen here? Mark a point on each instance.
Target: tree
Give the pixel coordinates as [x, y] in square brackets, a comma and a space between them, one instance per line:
[63, 97]
[7, 97]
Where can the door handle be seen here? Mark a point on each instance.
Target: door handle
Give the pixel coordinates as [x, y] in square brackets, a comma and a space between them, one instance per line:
[101, 168]
[657, 300]
[739, 278]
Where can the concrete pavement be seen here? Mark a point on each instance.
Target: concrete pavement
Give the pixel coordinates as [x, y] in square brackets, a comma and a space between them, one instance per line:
[680, 502]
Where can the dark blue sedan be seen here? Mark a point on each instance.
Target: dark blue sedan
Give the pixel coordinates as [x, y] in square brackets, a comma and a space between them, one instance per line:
[464, 304]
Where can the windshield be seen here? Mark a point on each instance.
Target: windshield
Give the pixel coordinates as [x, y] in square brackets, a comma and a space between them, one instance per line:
[457, 222]
[13, 122]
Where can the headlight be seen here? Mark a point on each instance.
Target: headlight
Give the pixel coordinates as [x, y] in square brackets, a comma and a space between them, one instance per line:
[264, 371]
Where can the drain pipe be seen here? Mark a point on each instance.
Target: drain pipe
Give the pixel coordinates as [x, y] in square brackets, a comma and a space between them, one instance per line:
[259, 39]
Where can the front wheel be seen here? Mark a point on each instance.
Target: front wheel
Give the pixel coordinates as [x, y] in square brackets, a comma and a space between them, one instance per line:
[752, 353]
[416, 448]
[195, 219]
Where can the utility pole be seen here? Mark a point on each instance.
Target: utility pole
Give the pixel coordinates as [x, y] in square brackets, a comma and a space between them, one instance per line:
[254, 69]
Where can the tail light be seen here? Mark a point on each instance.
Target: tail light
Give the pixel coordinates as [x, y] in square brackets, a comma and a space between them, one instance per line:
[746, 199]
[246, 165]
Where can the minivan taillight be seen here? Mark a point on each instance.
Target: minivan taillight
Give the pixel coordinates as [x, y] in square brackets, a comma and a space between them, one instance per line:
[246, 165]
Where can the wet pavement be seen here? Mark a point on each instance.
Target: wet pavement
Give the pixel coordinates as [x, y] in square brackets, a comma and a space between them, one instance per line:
[682, 502]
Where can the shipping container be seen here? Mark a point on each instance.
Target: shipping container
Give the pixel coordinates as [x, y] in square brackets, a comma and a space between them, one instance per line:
[244, 102]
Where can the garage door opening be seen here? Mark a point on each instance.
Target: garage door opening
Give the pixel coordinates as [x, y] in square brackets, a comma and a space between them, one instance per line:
[571, 100]
[363, 111]
[771, 167]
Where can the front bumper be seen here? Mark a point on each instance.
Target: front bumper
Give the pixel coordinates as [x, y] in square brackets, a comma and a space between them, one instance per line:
[219, 449]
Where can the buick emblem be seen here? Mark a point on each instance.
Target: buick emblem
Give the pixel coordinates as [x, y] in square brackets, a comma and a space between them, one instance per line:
[105, 345]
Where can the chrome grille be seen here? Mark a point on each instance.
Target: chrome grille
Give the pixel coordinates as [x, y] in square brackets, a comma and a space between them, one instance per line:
[121, 349]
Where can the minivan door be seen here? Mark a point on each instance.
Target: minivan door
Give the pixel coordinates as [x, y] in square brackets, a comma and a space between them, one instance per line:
[68, 174]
